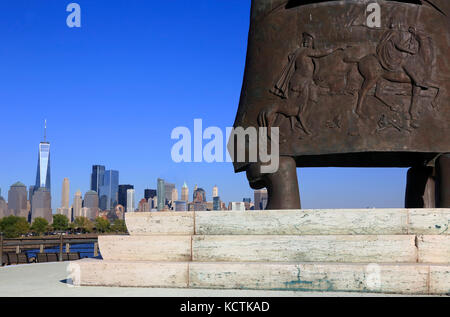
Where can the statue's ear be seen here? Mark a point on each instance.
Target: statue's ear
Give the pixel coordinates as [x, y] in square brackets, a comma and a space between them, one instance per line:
[442, 6]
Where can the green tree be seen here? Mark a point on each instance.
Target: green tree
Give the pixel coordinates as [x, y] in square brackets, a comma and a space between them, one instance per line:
[60, 222]
[14, 227]
[102, 224]
[119, 226]
[84, 224]
[40, 225]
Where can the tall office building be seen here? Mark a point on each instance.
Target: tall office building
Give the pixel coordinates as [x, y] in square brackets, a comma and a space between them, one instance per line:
[199, 195]
[149, 194]
[43, 167]
[42, 205]
[109, 191]
[123, 194]
[143, 205]
[65, 193]
[77, 205]
[261, 199]
[161, 194]
[98, 172]
[90, 205]
[3, 208]
[174, 195]
[215, 192]
[217, 203]
[130, 200]
[17, 200]
[65, 209]
[185, 192]
[168, 187]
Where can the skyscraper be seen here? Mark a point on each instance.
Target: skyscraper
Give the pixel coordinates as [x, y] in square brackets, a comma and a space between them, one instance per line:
[65, 194]
[215, 192]
[161, 194]
[109, 190]
[216, 203]
[261, 198]
[77, 205]
[123, 194]
[199, 195]
[130, 200]
[3, 208]
[168, 187]
[149, 194]
[42, 205]
[98, 172]
[185, 192]
[43, 168]
[90, 205]
[17, 200]
[174, 195]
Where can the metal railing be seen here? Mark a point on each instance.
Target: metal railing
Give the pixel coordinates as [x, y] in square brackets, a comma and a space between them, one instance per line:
[22, 243]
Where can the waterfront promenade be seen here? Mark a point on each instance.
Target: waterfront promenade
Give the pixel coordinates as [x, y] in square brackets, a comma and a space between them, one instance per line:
[49, 280]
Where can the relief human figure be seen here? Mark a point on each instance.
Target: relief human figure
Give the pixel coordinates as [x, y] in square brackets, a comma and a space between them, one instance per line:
[296, 84]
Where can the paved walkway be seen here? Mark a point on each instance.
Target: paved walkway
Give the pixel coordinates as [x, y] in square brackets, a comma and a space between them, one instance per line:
[49, 280]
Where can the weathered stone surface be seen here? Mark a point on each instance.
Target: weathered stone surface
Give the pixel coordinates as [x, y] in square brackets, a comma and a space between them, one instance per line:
[145, 248]
[334, 277]
[292, 222]
[385, 278]
[429, 221]
[440, 279]
[331, 248]
[132, 274]
[434, 249]
[303, 222]
[157, 223]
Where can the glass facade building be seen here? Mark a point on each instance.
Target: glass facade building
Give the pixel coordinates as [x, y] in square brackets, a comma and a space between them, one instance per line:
[161, 194]
[123, 194]
[150, 194]
[109, 191]
[98, 172]
[217, 203]
[43, 168]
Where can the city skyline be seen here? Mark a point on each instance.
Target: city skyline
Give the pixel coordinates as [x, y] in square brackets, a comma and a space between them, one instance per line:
[85, 113]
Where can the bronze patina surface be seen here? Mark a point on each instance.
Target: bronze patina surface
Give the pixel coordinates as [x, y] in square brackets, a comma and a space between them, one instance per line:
[345, 93]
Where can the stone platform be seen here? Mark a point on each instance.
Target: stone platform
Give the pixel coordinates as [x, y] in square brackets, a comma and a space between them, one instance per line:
[391, 251]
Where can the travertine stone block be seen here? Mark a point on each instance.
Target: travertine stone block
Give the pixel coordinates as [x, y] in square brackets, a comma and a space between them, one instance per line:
[302, 222]
[440, 279]
[145, 248]
[160, 223]
[434, 248]
[129, 274]
[429, 221]
[335, 277]
[331, 248]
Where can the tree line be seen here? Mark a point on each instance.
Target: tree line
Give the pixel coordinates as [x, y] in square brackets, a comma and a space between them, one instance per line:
[15, 227]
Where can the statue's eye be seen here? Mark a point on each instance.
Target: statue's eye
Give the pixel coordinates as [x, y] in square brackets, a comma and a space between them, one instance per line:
[295, 3]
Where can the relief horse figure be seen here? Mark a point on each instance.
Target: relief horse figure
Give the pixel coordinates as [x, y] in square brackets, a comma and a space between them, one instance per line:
[402, 57]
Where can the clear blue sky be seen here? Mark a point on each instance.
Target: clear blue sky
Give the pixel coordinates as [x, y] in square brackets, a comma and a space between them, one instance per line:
[113, 90]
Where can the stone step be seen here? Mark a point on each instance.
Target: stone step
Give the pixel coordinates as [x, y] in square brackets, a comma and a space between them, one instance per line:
[292, 222]
[388, 278]
[331, 248]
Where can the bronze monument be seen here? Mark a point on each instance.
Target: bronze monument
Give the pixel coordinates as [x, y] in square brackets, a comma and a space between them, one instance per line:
[350, 84]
